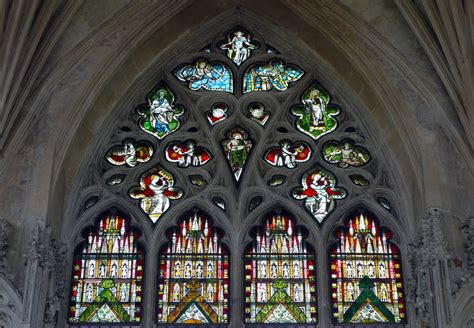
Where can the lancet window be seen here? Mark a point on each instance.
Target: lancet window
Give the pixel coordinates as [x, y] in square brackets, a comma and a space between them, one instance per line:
[280, 282]
[194, 274]
[366, 278]
[107, 274]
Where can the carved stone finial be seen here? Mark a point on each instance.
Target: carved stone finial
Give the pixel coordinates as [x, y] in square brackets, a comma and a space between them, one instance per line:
[5, 228]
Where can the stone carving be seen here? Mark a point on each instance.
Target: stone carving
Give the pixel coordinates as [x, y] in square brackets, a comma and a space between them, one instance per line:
[4, 232]
[57, 257]
[428, 258]
[468, 230]
[34, 251]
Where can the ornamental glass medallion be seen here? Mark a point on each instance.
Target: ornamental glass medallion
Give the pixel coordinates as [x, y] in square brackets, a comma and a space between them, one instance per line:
[258, 113]
[366, 277]
[107, 275]
[218, 113]
[280, 283]
[194, 274]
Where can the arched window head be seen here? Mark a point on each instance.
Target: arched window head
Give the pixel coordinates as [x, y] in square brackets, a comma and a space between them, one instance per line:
[194, 274]
[366, 281]
[107, 274]
[280, 283]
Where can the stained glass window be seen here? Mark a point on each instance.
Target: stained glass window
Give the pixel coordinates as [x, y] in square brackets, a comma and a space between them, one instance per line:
[280, 283]
[194, 274]
[107, 274]
[366, 281]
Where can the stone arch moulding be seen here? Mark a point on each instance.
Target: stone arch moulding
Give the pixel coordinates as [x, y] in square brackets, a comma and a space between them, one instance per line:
[219, 181]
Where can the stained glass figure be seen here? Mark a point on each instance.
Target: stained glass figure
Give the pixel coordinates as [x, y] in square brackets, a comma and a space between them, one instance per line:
[203, 75]
[319, 192]
[280, 283]
[366, 276]
[160, 116]
[288, 154]
[194, 274]
[187, 153]
[258, 113]
[155, 191]
[315, 117]
[107, 275]
[217, 113]
[275, 74]
[239, 46]
[345, 154]
[130, 153]
[237, 148]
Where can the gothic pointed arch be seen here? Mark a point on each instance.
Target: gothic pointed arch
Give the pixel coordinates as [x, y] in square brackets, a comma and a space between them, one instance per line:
[194, 265]
[280, 280]
[366, 274]
[107, 274]
[237, 126]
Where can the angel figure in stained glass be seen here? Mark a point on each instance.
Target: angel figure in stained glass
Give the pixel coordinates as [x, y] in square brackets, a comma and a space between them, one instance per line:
[316, 116]
[319, 192]
[237, 148]
[275, 74]
[288, 154]
[130, 153]
[187, 153]
[206, 76]
[345, 154]
[160, 116]
[238, 46]
[155, 191]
